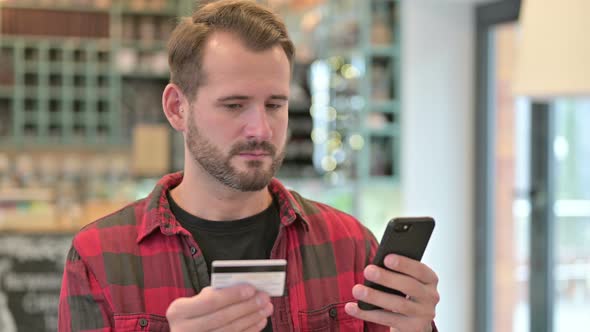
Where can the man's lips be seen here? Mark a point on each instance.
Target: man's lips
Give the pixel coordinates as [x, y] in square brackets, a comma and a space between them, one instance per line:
[254, 153]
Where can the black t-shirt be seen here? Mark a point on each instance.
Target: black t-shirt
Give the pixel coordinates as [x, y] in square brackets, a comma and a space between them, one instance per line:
[248, 238]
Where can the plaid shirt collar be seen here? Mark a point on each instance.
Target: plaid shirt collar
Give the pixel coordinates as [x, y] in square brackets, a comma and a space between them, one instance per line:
[157, 213]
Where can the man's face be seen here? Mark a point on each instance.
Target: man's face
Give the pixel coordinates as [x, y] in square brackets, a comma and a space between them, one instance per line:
[237, 124]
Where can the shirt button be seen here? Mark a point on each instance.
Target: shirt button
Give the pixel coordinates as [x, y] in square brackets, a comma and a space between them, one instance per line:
[143, 322]
[193, 250]
[333, 313]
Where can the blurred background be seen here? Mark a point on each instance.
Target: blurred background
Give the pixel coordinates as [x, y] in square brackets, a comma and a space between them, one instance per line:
[474, 112]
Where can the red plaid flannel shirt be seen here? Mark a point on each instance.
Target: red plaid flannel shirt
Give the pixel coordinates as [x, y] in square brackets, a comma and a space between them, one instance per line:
[124, 270]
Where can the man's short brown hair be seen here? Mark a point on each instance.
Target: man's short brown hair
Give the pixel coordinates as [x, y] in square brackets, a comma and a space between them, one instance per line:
[258, 27]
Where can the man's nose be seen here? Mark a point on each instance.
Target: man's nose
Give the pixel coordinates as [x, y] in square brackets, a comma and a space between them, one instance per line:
[258, 124]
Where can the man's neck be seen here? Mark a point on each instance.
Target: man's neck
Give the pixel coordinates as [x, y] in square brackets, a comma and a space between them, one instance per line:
[211, 200]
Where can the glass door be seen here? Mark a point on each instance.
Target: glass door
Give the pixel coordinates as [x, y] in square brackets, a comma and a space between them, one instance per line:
[572, 214]
[533, 194]
[511, 177]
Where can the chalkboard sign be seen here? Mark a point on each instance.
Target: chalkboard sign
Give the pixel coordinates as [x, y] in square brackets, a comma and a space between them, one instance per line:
[31, 268]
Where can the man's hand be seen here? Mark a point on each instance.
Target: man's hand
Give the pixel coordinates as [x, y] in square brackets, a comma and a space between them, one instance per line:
[239, 308]
[415, 312]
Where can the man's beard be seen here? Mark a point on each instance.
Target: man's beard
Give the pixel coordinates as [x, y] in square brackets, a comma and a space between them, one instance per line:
[213, 161]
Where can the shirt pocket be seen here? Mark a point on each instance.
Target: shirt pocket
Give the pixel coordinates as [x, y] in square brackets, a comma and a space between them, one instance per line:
[329, 318]
[141, 322]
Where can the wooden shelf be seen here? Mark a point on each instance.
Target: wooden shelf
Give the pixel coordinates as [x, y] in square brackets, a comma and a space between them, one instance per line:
[34, 5]
[26, 195]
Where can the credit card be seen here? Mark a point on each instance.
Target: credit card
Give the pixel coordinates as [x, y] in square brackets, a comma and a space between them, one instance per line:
[267, 275]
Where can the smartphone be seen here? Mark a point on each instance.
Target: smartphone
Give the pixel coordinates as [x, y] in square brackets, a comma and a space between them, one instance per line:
[403, 236]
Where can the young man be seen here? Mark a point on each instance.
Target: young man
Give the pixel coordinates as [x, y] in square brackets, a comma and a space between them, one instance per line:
[145, 267]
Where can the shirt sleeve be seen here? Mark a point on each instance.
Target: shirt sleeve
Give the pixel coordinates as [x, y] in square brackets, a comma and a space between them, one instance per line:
[82, 306]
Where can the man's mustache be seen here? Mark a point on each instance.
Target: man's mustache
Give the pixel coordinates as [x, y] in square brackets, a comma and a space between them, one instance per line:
[253, 145]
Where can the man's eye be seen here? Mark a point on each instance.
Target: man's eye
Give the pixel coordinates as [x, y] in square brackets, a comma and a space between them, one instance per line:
[233, 106]
[273, 106]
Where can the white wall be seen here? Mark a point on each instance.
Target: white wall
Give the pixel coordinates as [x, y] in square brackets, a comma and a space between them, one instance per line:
[437, 136]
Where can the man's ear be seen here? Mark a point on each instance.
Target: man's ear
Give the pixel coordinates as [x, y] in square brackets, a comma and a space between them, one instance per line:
[175, 106]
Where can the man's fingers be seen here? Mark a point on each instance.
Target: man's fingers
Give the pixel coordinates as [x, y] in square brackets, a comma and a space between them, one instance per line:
[377, 316]
[250, 322]
[233, 317]
[401, 282]
[252, 310]
[258, 327]
[208, 300]
[391, 302]
[413, 268]
[409, 313]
